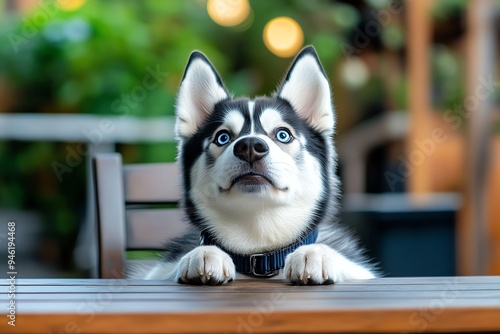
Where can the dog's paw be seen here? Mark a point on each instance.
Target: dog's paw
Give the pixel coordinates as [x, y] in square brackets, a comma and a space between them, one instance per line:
[310, 264]
[206, 265]
[319, 264]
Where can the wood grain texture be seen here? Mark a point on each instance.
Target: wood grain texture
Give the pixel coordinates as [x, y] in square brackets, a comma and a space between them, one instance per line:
[389, 305]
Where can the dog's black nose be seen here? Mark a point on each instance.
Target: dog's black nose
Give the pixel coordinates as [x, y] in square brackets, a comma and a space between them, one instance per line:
[250, 149]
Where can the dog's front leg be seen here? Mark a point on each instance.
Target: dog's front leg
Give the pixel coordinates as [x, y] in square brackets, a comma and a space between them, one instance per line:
[203, 265]
[320, 264]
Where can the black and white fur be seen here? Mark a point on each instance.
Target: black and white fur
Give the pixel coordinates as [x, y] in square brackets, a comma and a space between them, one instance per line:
[256, 193]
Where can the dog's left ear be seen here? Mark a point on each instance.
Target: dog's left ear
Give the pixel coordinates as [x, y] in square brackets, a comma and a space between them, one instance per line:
[201, 88]
[307, 89]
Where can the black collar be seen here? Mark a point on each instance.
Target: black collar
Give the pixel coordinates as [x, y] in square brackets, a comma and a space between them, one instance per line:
[260, 264]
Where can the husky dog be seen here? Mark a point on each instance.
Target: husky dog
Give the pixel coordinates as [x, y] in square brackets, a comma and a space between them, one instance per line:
[259, 182]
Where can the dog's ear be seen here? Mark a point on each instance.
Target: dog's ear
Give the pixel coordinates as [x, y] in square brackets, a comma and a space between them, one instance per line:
[307, 90]
[201, 88]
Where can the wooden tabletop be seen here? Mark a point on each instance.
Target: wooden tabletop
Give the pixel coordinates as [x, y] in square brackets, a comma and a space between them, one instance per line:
[448, 304]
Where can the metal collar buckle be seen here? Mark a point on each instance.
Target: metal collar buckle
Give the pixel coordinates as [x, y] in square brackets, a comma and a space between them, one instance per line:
[253, 263]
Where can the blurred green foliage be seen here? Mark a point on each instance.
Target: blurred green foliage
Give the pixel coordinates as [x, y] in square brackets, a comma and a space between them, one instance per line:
[84, 61]
[445, 8]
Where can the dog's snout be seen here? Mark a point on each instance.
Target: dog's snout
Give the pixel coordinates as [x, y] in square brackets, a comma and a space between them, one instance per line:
[250, 149]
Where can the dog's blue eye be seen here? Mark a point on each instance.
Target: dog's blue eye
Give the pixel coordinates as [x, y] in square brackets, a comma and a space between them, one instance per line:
[222, 138]
[284, 136]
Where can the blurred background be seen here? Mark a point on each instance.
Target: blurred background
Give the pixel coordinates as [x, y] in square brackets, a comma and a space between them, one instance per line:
[416, 88]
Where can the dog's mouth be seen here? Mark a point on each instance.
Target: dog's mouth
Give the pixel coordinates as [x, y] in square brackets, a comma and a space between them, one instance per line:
[252, 181]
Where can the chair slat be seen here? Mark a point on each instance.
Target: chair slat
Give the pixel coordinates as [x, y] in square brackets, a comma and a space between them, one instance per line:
[122, 227]
[150, 229]
[110, 213]
[152, 183]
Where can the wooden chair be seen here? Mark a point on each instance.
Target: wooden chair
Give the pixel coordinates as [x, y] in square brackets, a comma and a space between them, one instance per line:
[131, 203]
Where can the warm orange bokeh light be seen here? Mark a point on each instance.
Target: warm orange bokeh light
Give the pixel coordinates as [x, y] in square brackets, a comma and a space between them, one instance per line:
[283, 36]
[228, 13]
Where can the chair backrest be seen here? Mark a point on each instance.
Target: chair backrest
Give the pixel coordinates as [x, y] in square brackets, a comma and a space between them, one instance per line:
[136, 209]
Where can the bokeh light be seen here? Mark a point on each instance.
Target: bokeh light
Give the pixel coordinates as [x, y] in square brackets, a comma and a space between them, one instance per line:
[354, 72]
[70, 5]
[228, 13]
[283, 36]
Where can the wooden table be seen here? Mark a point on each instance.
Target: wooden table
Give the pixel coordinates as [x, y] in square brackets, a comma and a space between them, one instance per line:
[452, 304]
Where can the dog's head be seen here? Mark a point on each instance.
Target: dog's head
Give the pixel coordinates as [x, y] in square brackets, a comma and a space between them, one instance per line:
[259, 169]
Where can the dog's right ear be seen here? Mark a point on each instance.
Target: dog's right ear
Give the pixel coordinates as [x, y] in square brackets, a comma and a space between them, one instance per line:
[201, 88]
[307, 90]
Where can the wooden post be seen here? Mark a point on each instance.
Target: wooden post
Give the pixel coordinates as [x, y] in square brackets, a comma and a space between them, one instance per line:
[473, 247]
[493, 212]
[419, 39]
